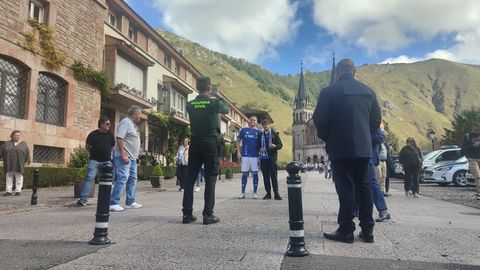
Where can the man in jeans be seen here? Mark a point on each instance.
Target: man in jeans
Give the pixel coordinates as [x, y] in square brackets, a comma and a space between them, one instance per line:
[99, 144]
[471, 149]
[125, 155]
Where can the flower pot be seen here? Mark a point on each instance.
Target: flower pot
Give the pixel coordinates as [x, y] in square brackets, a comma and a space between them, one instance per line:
[229, 175]
[156, 181]
[78, 187]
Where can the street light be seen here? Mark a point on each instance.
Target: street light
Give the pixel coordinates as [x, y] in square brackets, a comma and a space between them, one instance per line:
[432, 136]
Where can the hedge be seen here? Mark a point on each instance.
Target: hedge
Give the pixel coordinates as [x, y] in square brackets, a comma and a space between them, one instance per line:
[144, 172]
[48, 177]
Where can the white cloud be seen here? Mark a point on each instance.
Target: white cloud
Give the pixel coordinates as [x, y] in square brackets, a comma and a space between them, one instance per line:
[378, 25]
[400, 59]
[247, 29]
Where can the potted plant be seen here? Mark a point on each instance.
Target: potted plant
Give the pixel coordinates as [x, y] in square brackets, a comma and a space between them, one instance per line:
[80, 176]
[228, 173]
[156, 177]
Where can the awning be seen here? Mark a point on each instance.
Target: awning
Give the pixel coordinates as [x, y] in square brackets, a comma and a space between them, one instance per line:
[128, 50]
[177, 84]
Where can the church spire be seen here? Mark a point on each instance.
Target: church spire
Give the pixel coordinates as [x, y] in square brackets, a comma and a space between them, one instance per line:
[332, 73]
[300, 100]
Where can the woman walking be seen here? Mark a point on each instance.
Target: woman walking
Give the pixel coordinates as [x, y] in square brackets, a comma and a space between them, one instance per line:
[411, 159]
[15, 155]
[182, 163]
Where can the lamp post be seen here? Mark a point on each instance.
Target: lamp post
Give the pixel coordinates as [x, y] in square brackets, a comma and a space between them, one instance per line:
[432, 136]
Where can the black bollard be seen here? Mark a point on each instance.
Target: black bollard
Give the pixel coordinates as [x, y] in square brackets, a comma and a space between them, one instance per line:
[296, 246]
[36, 173]
[100, 236]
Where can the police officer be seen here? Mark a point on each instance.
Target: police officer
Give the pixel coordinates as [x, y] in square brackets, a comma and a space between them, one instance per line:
[204, 122]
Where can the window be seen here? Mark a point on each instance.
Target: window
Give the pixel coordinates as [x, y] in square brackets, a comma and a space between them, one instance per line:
[166, 60]
[36, 11]
[112, 19]
[51, 99]
[46, 154]
[13, 84]
[129, 73]
[131, 34]
[177, 102]
[177, 69]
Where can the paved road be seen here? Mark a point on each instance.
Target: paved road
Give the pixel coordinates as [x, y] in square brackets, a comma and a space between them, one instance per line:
[253, 234]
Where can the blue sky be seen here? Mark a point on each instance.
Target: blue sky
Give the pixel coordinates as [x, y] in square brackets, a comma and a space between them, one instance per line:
[278, 34]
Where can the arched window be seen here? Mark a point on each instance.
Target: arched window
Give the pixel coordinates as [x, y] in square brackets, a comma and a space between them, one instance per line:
[13, 84]
[51, 99]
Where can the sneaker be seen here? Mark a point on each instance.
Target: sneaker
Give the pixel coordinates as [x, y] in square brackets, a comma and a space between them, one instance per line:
[180, 189]
[386, 194]
[416, 195]
[210, 219]
[408, 193]
[383, 218]
[7, 194]
[81, 202]
[133, 205]
[477, 196]
[17, 193]
[116, 208]
[267, 197]
[241, 196]
[197, 189]
[254, 196]
[188, 218]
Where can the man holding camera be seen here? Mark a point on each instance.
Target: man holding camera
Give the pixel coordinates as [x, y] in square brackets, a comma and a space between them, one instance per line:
[204, 122]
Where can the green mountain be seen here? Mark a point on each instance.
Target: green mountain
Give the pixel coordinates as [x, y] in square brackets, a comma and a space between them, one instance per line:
[413, 97]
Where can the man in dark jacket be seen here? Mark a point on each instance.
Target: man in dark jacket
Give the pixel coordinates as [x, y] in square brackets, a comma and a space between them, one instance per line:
[269, 143]
[471, 149]
[346, 115]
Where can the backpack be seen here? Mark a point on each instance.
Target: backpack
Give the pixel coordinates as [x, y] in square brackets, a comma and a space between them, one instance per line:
[382, 154]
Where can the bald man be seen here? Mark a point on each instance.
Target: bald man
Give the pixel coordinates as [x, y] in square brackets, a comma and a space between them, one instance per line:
[346, 115]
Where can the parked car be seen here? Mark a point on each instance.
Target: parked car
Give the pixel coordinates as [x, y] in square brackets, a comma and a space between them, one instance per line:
[398, 168]
[456, 172]
[440, 157]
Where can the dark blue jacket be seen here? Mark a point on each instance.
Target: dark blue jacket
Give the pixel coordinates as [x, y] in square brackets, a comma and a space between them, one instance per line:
[377, 138]
[346, 115]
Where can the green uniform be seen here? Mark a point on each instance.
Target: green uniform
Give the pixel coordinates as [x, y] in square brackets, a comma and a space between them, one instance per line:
[203, 112]
[204, 122]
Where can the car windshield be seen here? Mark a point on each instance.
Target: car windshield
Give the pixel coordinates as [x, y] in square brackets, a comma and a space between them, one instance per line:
[431, 154]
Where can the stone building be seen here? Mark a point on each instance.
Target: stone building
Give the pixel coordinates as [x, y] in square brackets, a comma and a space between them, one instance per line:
[306, 146]
[53, 109]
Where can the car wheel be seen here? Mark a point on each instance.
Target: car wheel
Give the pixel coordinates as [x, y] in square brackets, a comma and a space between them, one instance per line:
[443, 184]
[459, 178]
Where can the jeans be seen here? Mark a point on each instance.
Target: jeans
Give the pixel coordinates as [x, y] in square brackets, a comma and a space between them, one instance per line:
[125, 175]
[378, 198]
[92, 170]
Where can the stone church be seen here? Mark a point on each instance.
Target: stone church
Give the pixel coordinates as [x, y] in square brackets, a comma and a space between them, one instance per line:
[306, 147]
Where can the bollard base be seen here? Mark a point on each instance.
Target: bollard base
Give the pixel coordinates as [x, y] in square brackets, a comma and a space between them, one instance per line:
[296, 251]
[99, 240]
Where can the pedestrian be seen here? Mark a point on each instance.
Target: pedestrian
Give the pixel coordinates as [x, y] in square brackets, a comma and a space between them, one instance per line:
[15, 155]
[346, 115]
[471, 150]
[328, 169]
[411, 159]
[204, 148]
[390, 171]
[125, 155]
[99, 144]
[248, 155]
[378, 138]
[269, 143]
[182, 163]
[380, 157]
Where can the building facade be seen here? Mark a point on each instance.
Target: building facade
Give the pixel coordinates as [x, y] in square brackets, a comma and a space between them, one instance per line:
[45, 101]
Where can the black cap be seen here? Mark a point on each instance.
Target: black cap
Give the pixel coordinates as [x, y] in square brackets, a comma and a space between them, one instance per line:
[203, 83]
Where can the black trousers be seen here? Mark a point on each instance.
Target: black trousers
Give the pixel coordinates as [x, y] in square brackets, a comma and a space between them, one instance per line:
[269, 172]
[351, 181]
[412, 173]
[182, 175]
[203, 150]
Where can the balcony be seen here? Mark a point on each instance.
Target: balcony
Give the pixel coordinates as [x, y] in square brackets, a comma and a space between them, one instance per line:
[178, 116]
[126, 96]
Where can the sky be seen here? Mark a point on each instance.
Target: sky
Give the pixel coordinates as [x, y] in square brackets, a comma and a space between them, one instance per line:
[279, 34]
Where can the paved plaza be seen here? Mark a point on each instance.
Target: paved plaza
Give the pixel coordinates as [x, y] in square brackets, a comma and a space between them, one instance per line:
[423, 233]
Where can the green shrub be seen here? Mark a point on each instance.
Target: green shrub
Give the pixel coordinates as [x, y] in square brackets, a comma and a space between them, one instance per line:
[144, 172]
[78, 158]
[169, 172]
[157, 171]
[48, 177]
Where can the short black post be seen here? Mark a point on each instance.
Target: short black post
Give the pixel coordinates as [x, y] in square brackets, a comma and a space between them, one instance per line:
[296, 246]
[100, 236]
[36, 173]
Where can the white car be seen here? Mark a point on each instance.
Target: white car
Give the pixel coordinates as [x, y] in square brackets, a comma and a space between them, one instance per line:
[445, 174]
[440, 157]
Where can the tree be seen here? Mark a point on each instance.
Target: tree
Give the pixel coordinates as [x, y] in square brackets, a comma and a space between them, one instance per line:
[460, 125]
[392, 139]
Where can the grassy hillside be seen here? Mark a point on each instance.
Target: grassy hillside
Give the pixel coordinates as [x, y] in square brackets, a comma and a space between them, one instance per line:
[414, 97]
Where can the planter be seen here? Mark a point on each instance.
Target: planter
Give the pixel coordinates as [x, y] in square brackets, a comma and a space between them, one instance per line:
[156, 181]
[229, 175]
[77, 190]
